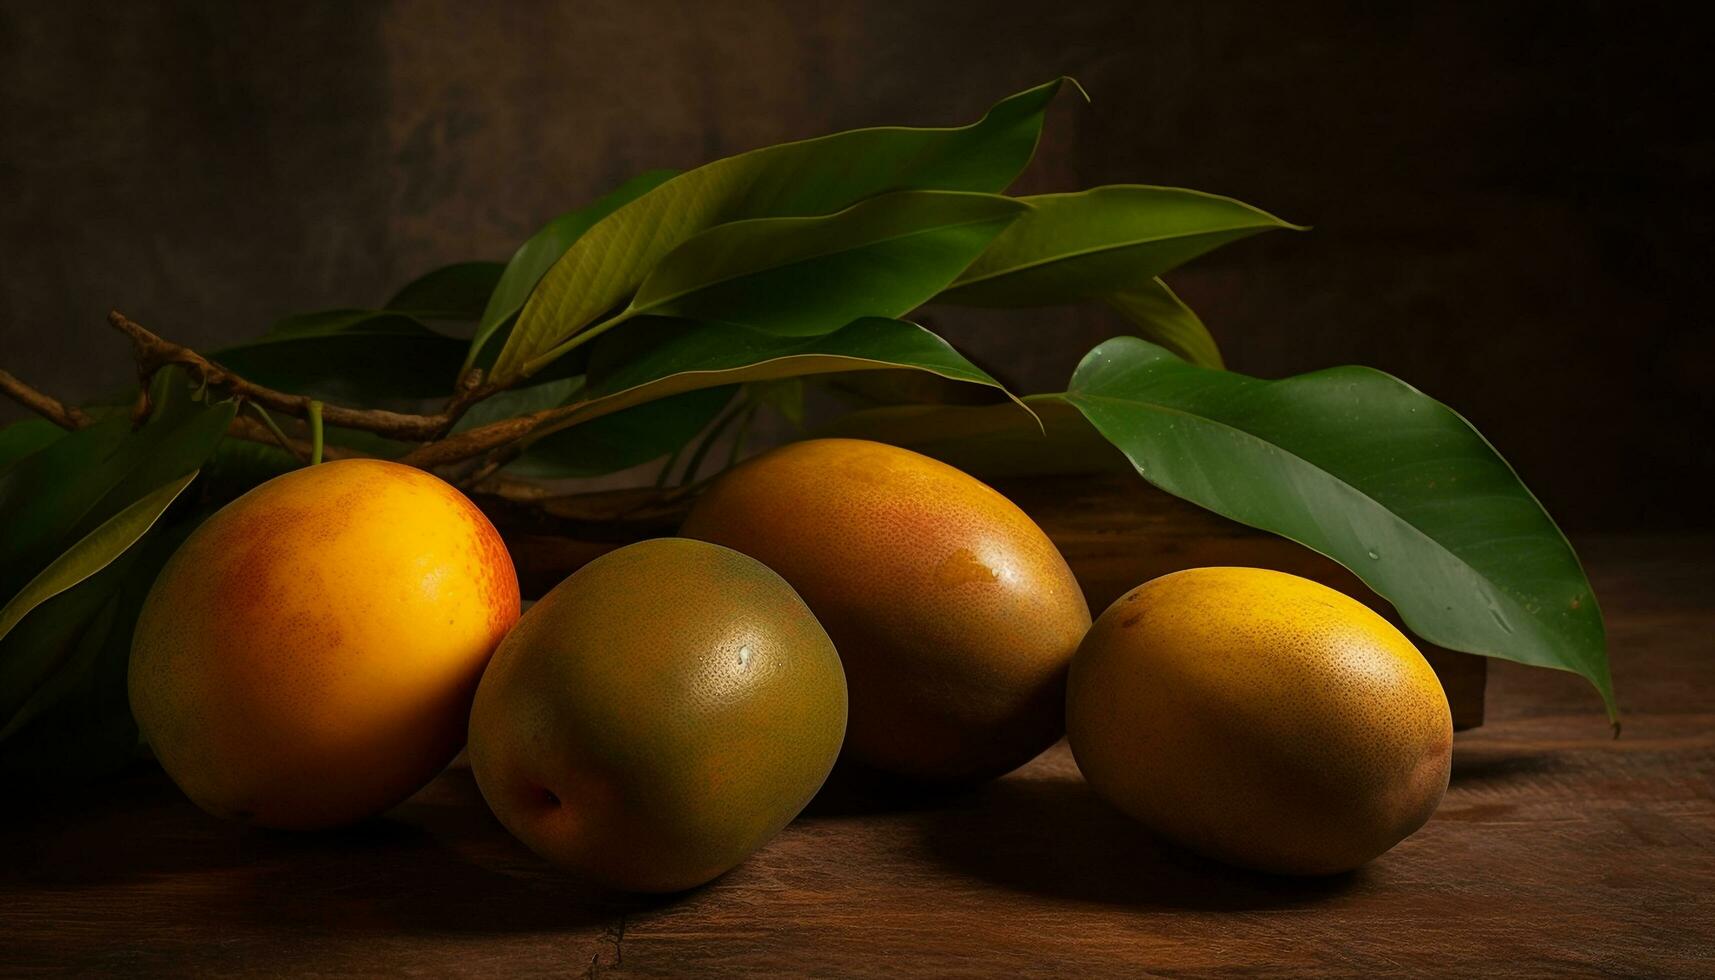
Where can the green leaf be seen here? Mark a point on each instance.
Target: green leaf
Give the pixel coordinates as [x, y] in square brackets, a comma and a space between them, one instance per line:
[657, 358]
[62, 666]
[537, 255]
[52, 498]
[353, 356]
[800, 276]
[811, 177]
[455, 292]
[40, 646]
[1160, 316]
[785, 395]
[1072, 247]
[873, 389]
[95, 551]
[236, 465]
[64, 713]
[624, 439]
[44, 494]
[603, 445]
[1371, 472]
[26, 437]
[520, 401]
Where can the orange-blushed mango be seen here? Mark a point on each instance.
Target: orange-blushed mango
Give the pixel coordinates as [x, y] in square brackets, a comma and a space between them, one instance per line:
[1261, 719]
[954, 613]
[308, 656]
[658, 716]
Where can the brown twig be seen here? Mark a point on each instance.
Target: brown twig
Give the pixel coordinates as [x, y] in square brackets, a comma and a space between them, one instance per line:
[154, 353]
[63, 415]
[470, 391]
[438, 449]
[610, 515]
[490, 465]
[484, 439]
[69, 417]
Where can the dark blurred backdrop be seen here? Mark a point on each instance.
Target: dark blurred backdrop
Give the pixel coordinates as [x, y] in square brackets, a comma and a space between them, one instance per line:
[1510, 200]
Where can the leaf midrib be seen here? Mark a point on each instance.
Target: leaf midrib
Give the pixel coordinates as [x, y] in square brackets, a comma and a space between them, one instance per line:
[534, 337]
[1084, 253]
[643, 310]
[1494, 588]
[982, 378]
[179, 484]
[107, 489]
[579, 418]
[705, 175]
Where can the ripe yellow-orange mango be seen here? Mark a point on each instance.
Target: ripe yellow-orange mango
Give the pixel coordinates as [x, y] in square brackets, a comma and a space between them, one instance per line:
[1261, 719]
[954, 614]
[658, 716]
[308, 657]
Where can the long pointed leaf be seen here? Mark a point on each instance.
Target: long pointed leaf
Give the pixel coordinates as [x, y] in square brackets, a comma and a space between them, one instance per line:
[1086, 245]
[64, 716]
[455, 292]
[539, 253]
[811, 177]
[602, 445]
[95, 551]
[624, 439]
[59, 509]
[1161, 316]
[356, 356]
[39, 644]
[1372, 473]
[664, 358]
[26, 437]
[35, 655]
[57, 495]
[801, 276]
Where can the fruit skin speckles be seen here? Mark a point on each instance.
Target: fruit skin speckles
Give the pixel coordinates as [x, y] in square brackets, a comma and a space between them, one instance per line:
[1261, 719]
[493, 565]
[954, 613]
[676, 702]
[962, 568]
[309, 655]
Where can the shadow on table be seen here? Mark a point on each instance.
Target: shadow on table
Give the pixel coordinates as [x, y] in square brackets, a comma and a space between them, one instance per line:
[134, 827]
[1477, 766]
[856, 792]
[439, 863]
[1055, 837]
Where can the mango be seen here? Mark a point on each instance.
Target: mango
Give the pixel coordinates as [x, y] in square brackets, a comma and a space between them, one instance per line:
[308, 656]
[954, 614]
[1260, 719]
[658, 716]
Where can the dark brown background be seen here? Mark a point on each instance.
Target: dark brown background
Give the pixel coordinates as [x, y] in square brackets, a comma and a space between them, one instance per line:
[1510, 199]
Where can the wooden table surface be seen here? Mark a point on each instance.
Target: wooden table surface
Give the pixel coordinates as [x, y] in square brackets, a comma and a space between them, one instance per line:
[1558, 851]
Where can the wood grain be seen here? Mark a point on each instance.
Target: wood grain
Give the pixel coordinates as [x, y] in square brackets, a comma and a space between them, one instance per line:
[1558, 851]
